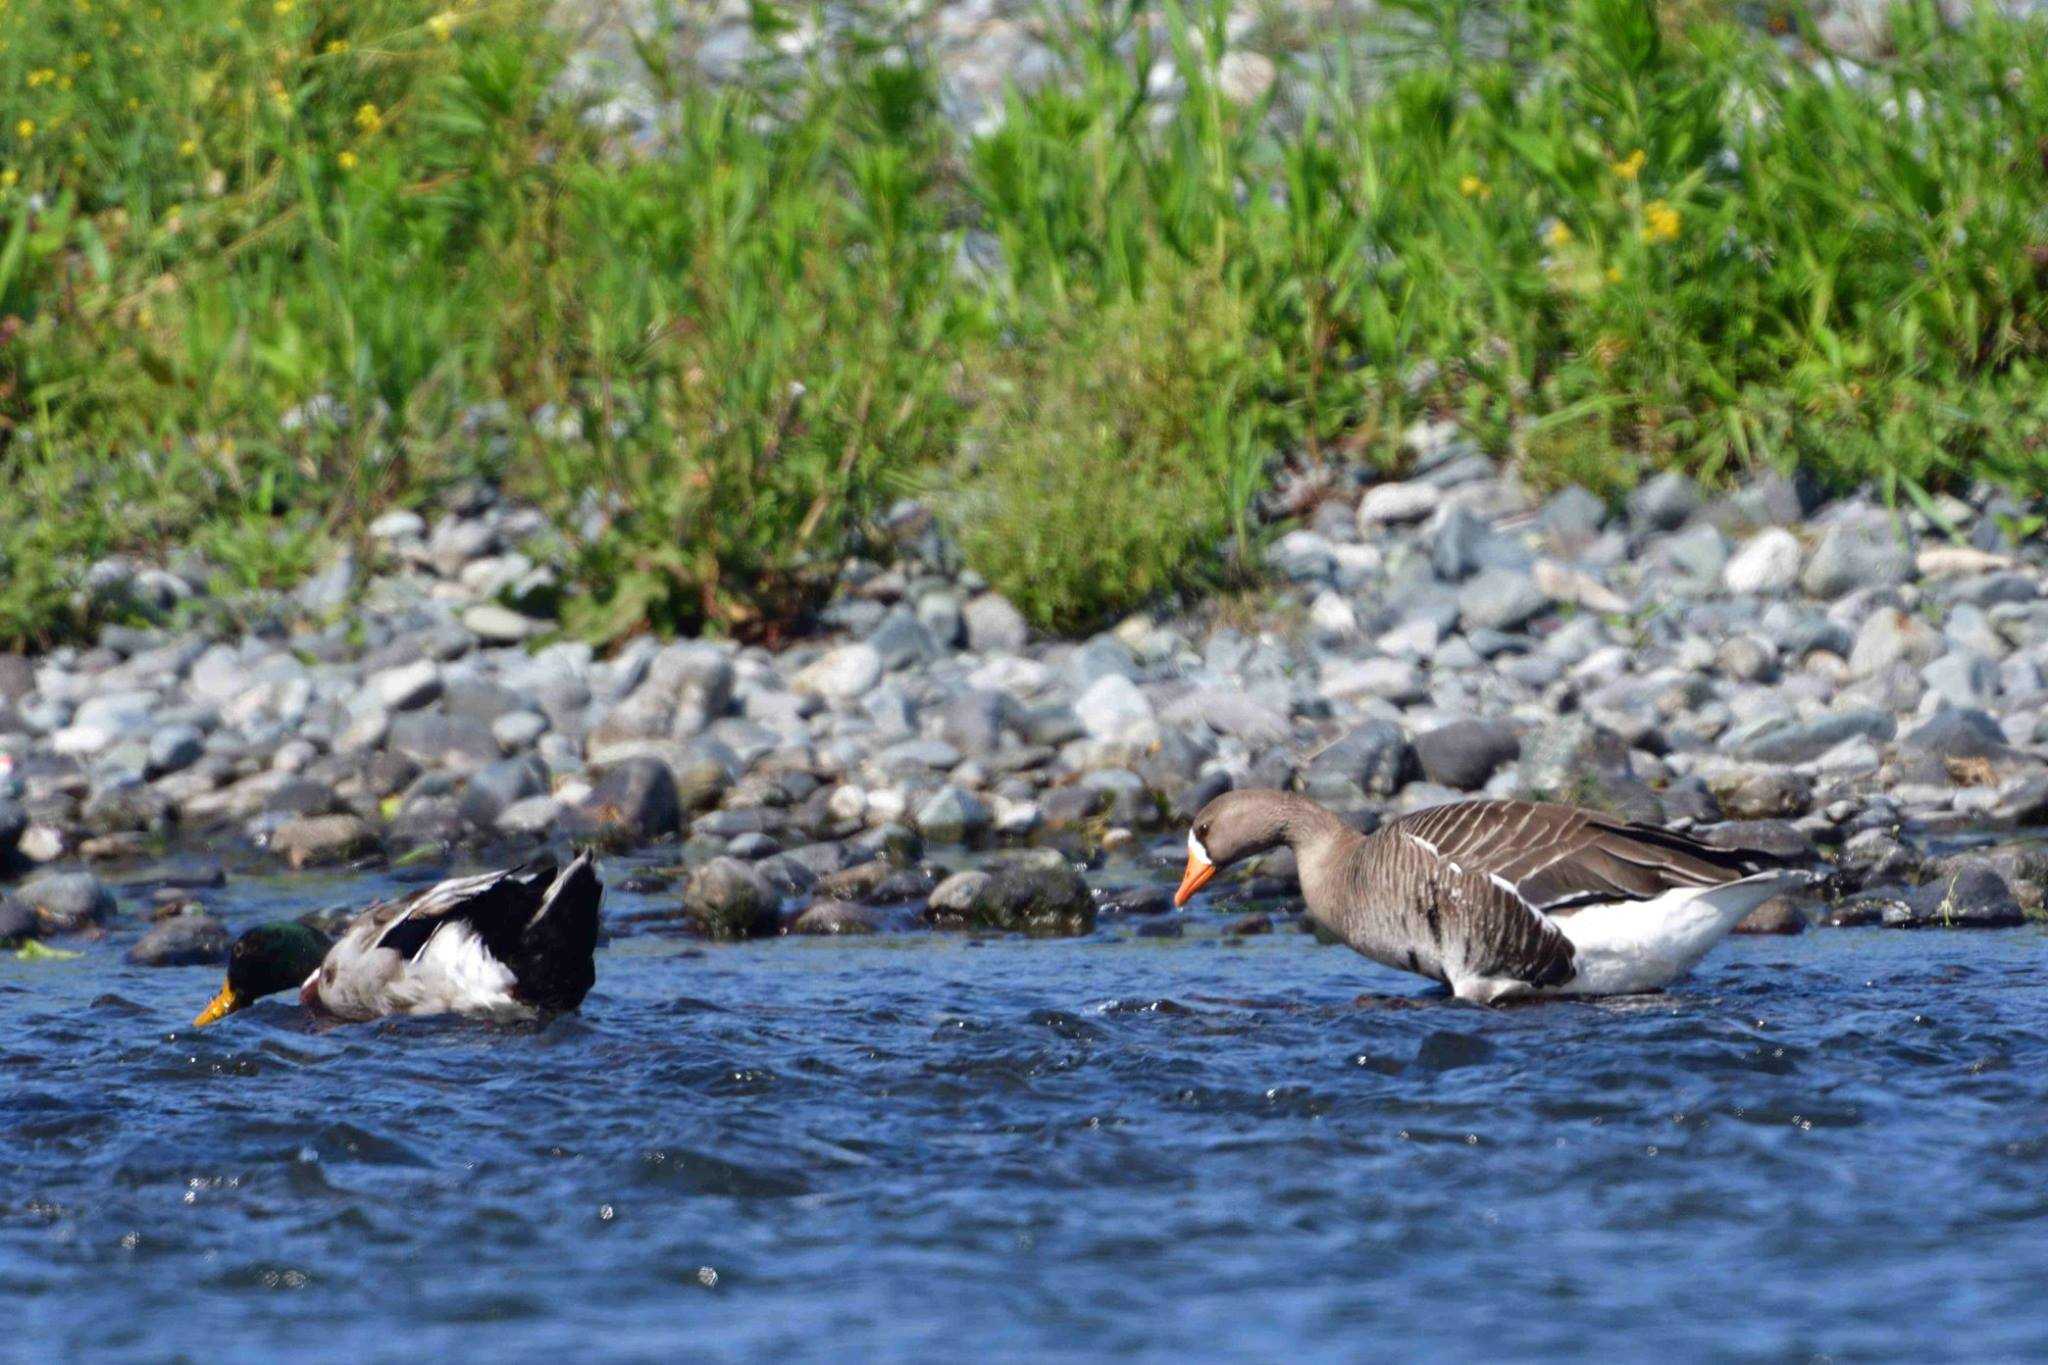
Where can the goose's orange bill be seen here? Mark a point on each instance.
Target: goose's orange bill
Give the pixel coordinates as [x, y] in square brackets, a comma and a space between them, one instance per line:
[1197, 876]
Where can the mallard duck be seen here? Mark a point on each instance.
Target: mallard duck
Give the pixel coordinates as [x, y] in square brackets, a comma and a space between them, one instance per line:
[507, 945]
[1498, 899]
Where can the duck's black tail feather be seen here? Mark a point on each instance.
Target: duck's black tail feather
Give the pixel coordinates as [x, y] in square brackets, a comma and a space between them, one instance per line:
[556, 962]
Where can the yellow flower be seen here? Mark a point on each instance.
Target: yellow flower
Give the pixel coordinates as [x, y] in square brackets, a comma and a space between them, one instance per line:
[282, 7]
[336, 46]
[442, 25]
[25, 129]
[42, 77]
[368, 119]
[1472, 187]
[189, 147]
[8, 178]
[1558, 234]
[1630, 166]
[1660, 222]
[347, 161]
[1614, 274]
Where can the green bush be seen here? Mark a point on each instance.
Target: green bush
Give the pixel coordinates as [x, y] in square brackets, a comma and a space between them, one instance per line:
[1611, 237]
[1114, 453]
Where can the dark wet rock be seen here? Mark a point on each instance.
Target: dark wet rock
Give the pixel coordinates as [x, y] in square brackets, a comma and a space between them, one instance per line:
[728, 899]
[66, 902]
[1663, 502]
[1780, 838]
[18, 922]
[1159, 928]
[1246, 926]
[1465, 753]
[1140, 900]
[319, 839]
[634, 800]
[303, 796]
[387, 774]
[1040, 900]
[1804, 741]
[1762, 793]
[175, 748]
[752, 846]
[190, 940]
[1971, 896]
[1957, 733]
[1374, 759]
[1690, 799]
[13, 824]
[1778, 915]
[952, 815]
[837, 918]
[1873, 905]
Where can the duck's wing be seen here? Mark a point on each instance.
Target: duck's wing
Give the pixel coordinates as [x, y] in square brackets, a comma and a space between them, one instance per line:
[496, 906]
[1554, 859]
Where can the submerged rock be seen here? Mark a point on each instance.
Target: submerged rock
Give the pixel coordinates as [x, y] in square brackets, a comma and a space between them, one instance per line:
[317, 839]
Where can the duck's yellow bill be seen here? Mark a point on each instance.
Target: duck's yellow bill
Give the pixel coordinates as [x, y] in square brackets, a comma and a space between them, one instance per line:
[224, 1004]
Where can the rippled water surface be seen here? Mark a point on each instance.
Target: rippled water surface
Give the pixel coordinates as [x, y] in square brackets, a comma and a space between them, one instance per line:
[931, 1146]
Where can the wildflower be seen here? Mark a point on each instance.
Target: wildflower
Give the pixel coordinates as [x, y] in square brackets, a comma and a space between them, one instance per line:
[283, 8]
[41, 77]
[1660, 222]
[1558, 234]
[26, 129]
[336, 46]
[8, 178]
[442, 25]
[1614, 274]
[1472, 187]
[368, 119]
[189, 147]
[347, 161]
[1630, 166]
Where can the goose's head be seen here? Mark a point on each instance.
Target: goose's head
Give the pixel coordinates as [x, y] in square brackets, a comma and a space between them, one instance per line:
[1235, 825]
[265, 960]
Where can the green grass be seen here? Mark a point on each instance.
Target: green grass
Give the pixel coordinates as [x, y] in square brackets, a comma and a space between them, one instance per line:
[1611, 239]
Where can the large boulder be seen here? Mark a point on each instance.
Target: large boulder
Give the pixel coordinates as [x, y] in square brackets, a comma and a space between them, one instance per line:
[634, 801]
[1040, 898]
[728, 899]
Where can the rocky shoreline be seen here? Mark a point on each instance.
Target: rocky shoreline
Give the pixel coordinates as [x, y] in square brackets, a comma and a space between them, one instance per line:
[1831, 676]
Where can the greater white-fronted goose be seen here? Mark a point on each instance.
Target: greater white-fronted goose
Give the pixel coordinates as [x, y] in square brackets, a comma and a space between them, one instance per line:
[1498, 899]
[509, 946]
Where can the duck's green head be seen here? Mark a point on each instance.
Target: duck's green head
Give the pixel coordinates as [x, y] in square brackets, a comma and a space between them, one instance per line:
[265, 960]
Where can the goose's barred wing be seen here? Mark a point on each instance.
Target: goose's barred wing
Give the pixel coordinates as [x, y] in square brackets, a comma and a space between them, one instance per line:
[1556, 858]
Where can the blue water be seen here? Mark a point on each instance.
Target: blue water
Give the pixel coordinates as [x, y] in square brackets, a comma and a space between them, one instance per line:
[926, 1146]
